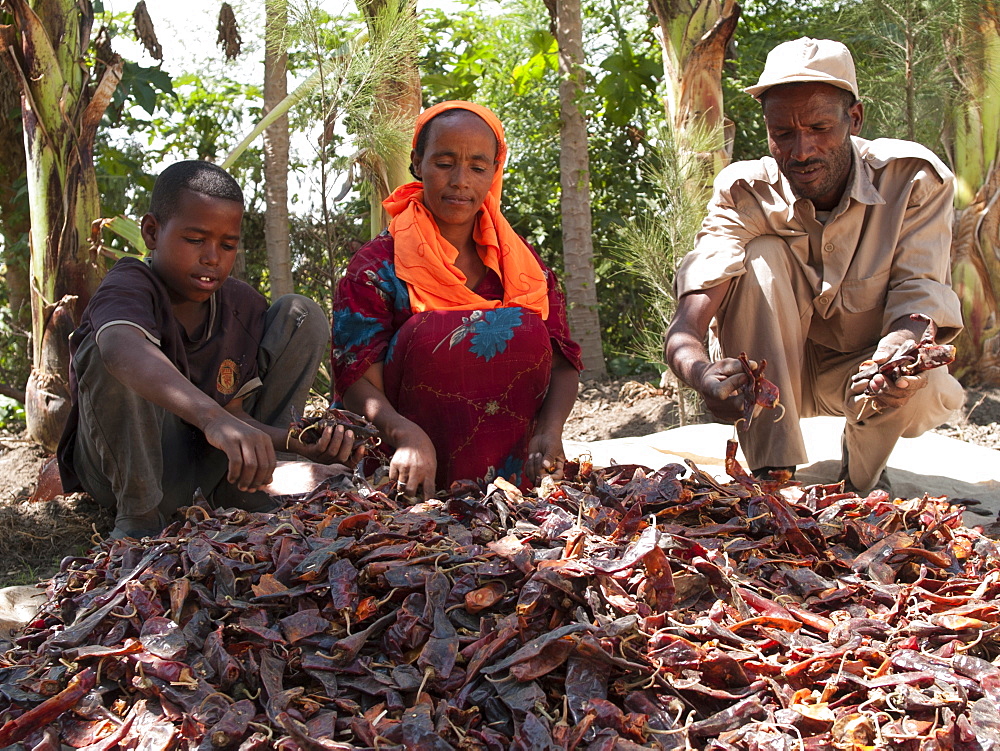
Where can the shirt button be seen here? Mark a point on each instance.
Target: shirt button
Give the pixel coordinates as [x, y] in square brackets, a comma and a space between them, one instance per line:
[823, 299]
[828, 247]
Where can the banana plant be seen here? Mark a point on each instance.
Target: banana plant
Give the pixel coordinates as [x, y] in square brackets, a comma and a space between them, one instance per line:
[975, 130]
[64, 94]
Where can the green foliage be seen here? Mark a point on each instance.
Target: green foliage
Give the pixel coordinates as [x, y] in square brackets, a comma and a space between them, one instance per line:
[196, 117]
[904, 65]
[544, 60]
[15, 313]
[502, 55]
[141, 86]
[621, 366]
[15, 350]
[653, 244]
[202, 114]
[11, 415]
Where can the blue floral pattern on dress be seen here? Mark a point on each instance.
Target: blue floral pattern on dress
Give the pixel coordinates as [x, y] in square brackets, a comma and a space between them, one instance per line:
[352, 329]
[391, 349]
[393, 288]
[466, 327]
[510, 470]
[491, 333]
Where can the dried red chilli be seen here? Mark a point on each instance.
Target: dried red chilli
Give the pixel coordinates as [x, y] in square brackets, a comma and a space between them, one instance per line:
[621, 606]
[757, 391]
[910, 358]
[309, 429]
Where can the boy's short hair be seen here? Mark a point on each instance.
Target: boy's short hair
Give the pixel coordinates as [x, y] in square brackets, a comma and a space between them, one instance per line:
[201, 177]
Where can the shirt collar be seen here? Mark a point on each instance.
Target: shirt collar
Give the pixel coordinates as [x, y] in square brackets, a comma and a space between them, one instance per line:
[862, 189]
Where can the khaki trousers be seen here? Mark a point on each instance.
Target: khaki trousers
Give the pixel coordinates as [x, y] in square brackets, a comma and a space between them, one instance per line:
[767, 314]
[136, 456]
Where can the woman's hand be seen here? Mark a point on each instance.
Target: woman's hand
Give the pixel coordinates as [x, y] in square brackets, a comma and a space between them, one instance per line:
[334, 446]
[545, 456]
[545, 450]
[414, 464]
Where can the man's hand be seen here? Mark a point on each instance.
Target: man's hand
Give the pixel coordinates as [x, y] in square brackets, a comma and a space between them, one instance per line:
[884, 394]
[250, 451]
[719, 384]
[334, 446]
[414, 464]
[545, 455]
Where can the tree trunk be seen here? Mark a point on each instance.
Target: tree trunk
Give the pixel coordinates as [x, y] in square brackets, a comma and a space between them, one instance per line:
[396, 106]
[574, 168]
[61, 109]
[279, 262]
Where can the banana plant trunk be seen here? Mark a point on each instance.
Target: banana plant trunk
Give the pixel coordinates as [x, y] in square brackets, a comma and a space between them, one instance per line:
[695, 35]
[61, 109]
[976, 238]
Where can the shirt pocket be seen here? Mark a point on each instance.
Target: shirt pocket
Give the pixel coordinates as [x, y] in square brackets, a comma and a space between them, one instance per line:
[861, 295]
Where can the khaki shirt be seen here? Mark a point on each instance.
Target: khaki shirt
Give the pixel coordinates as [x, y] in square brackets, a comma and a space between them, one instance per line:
[884, 251]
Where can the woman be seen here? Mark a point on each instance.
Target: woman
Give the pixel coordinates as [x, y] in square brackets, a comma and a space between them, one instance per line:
[450, 333]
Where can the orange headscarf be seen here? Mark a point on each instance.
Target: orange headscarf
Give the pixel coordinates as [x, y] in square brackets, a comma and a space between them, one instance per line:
[426, 261]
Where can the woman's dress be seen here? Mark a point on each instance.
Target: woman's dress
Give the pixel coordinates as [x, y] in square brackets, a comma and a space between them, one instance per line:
[473, 380]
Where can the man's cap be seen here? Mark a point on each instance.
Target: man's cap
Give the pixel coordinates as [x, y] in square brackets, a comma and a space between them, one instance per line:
[808, 60]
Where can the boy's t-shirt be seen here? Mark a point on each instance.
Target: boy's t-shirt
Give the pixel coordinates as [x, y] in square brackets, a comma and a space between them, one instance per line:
[221, 361]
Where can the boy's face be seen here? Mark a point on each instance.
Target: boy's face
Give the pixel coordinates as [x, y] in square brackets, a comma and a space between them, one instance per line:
[194, 251]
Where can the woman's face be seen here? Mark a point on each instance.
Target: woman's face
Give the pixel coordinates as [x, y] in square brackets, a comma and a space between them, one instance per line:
[456, 168]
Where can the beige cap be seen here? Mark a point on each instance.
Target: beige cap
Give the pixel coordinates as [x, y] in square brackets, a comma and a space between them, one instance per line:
[808, 60]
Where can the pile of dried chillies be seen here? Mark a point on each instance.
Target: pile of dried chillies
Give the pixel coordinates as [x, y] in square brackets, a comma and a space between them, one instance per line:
[746, 617]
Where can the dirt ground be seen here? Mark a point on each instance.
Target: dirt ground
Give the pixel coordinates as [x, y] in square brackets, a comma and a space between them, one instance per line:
[37, 535]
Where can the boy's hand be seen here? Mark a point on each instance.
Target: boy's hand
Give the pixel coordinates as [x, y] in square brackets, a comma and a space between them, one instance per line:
[335, 446]
[249, 450]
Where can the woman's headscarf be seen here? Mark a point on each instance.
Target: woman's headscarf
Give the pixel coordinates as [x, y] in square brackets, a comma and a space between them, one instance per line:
[426, 261]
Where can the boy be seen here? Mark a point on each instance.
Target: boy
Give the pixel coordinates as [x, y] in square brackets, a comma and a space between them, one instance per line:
[184, 378]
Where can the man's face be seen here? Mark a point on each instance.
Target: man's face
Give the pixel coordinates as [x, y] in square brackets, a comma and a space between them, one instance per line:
[808, 134]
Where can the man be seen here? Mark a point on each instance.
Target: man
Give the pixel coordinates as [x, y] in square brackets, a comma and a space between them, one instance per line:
[814, 259]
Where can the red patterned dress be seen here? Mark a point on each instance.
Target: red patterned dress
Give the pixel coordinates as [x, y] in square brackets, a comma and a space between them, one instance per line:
[473, 380]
